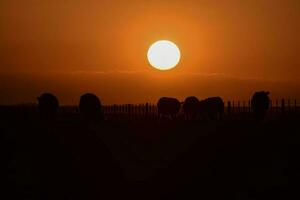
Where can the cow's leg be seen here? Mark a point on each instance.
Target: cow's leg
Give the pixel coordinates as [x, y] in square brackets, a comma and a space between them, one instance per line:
[221, 115]
[172, 117]
[187, 117]
[160, 116]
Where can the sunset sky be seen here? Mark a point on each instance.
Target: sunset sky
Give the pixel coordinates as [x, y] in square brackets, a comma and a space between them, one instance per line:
[229, 48]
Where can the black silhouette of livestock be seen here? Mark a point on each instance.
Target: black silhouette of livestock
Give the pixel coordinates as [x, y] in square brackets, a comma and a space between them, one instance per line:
[47, 106]
[90, 107]
[260, 104]
[168, 107]
[191, 107]
[211, 108]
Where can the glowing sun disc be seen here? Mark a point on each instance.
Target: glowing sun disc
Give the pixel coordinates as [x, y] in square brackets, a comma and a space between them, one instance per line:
[163, 55]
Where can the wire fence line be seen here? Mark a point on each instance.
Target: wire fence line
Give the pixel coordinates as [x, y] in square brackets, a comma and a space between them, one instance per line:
[230, 106]
[149, 110]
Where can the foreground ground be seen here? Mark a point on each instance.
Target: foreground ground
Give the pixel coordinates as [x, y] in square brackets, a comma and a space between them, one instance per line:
[235, 158]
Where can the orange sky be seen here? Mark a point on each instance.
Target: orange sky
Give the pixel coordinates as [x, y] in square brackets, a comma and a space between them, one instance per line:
[229, 48]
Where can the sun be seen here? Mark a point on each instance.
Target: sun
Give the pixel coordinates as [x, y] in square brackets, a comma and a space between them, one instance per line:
[163, 55]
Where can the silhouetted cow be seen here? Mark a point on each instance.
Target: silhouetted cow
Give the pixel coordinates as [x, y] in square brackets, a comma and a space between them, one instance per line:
[260, 103]
[48, 106]
[168, 106]
[191, 107]
[90, 107]
[212, 108]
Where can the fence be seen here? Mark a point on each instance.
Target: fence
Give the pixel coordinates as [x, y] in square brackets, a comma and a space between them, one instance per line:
[282, 105]
[149, 110]
[131, 111]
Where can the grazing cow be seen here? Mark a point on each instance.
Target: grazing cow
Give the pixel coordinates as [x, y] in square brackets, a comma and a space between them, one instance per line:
[190, 107]
[212, 108]
[90, 107]
[48, 106]
[260, 103]
[168, 107]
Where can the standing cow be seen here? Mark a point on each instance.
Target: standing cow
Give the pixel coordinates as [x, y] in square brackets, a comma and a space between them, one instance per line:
[90, 107]
[48, 106]
[168, 107]
[211, 108]
[260, 103]
[190, 107]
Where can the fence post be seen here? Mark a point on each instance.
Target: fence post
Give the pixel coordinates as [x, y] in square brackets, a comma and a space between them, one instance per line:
[154, 111]
[282, 106]
[150, 111]
[229, 107]
[112, 111]
[129, 111]
[135, 110]
[146, 110]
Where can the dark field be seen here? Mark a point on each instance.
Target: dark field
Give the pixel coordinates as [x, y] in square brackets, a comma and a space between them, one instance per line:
[136, 156]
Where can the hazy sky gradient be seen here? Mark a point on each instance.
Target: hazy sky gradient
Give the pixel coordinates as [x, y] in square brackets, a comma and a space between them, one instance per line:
[229, 48]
